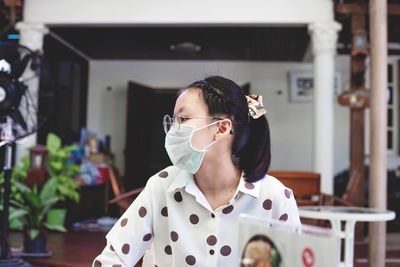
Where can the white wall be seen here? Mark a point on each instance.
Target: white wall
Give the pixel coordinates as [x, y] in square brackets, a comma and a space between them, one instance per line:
[290, 123]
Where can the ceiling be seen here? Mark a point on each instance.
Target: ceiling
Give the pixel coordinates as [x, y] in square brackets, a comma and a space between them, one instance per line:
[201, 43]
[189, 43]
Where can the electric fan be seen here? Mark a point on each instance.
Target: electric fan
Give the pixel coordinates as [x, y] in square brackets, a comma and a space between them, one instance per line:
[18, 119]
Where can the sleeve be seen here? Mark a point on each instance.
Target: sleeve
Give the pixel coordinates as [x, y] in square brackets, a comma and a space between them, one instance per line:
[291, 209]
[131, 236]
[285, 206]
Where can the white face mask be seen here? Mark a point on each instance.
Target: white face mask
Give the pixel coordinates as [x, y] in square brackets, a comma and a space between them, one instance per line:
[178, 144]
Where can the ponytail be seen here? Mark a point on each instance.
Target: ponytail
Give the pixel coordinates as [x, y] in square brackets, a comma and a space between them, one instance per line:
[255, 156]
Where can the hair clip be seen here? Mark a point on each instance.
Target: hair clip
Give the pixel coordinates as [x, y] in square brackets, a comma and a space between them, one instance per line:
[255, 105]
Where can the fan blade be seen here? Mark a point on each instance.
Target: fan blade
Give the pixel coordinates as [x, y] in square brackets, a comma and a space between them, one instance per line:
[17, 118]
[20, 66]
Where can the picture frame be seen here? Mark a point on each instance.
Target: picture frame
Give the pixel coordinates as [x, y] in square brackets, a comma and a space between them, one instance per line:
[301, 86]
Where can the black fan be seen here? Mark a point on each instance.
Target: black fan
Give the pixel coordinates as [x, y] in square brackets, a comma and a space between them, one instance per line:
[14, 123]
[14, 59]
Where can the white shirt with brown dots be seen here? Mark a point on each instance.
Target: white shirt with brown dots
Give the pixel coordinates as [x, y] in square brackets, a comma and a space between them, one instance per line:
[173, 224]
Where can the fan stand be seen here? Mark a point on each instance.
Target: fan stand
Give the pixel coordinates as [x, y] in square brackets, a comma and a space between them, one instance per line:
[6, 259]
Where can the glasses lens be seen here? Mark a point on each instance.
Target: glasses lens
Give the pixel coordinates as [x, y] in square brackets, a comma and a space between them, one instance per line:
[167, 123]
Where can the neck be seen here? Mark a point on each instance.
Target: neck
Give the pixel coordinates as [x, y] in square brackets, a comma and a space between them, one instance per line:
[218, 175]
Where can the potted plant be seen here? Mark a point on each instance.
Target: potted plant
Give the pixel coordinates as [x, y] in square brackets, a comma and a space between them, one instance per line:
[30, 205]
[63, 169]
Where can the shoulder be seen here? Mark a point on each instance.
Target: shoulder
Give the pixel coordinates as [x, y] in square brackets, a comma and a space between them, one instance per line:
[272, 186]
[164, 178]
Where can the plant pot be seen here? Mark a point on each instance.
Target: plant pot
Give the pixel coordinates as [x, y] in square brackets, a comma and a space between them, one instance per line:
[56, 216]
[36, 245]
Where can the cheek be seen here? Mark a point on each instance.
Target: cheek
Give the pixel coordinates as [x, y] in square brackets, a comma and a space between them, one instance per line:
[202, 138]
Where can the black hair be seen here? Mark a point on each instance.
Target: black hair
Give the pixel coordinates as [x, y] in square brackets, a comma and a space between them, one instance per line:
[275, 257]
[251, 148]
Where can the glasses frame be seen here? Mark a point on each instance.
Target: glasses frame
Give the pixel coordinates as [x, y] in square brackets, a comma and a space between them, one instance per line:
[169, 122]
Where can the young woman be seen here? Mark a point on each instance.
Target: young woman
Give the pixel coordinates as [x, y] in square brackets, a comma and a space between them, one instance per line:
[188, 213]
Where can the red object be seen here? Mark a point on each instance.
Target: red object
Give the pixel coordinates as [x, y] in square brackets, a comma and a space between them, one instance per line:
[308, 257]
[103, 171]
[38, 166]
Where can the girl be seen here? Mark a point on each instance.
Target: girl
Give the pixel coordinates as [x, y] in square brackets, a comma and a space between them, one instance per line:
[188, 213]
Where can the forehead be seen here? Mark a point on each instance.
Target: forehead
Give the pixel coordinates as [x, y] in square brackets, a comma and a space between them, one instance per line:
[191, 101]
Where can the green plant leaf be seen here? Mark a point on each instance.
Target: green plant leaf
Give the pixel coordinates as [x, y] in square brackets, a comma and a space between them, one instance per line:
[56, 165]
[56, 227]
[33, 233]
[16, 213]
[49, 189]
[53, 142]
[18, 204]
[21, 187]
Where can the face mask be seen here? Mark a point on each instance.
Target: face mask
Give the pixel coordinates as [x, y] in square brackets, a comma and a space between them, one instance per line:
[183, 155]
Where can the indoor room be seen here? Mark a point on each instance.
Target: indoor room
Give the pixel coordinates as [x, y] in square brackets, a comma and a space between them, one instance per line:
[260, 133]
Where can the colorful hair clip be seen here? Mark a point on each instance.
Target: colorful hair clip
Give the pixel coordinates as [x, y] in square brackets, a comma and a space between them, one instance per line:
[255, 105]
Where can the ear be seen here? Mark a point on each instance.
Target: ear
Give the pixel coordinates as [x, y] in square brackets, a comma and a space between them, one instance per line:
[225, 128]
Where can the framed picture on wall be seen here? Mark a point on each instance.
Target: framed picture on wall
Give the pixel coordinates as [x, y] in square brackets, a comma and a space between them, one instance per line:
[301, 86]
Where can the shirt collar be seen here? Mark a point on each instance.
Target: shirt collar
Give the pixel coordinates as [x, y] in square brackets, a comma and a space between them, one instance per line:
[180, 181]
[183, 178]
[252, 189]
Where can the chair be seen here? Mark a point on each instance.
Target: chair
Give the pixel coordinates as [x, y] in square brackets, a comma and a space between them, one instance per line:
[306, 188]
[121, 198]
[307, 192]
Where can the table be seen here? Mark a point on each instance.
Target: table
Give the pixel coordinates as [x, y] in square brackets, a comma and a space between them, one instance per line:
[349, 216]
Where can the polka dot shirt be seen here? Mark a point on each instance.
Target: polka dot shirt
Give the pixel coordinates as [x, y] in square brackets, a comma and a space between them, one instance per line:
[172, 224]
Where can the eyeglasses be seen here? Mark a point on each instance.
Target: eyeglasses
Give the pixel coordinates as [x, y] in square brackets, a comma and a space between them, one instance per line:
[176, 121]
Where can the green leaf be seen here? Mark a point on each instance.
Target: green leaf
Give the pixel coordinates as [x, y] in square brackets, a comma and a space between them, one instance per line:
[49, 189]
[19, 205]
[56, 227]
[33, 233]
[21, 187]
[53, 142]
[56, 165]
[17, 213]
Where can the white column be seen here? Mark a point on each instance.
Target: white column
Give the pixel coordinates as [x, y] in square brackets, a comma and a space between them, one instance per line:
[323, 38]
[31, 36]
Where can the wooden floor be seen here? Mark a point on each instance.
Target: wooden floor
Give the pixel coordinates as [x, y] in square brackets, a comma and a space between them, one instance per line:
[73, 249]
[78, 249]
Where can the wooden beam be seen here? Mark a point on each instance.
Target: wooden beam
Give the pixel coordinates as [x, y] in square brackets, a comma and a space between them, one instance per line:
[348, 9]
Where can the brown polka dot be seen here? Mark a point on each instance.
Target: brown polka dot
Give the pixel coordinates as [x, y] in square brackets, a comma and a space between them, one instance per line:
[249, 185]
[147, 237]
[163, 174]
[97, 263]
[283, 217]
[267, 204]
[211, 240]
[287, 193]
[112, 248]
[194, 219]
[174, 236]
[124, 222]
[227, 210]
[116, 265]
[191, 260]
[164, 212]
[168, 250]
[211, 251]
[225, 250]
[125, 248]
[212, 215]
[178, 196]
[142, 212]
